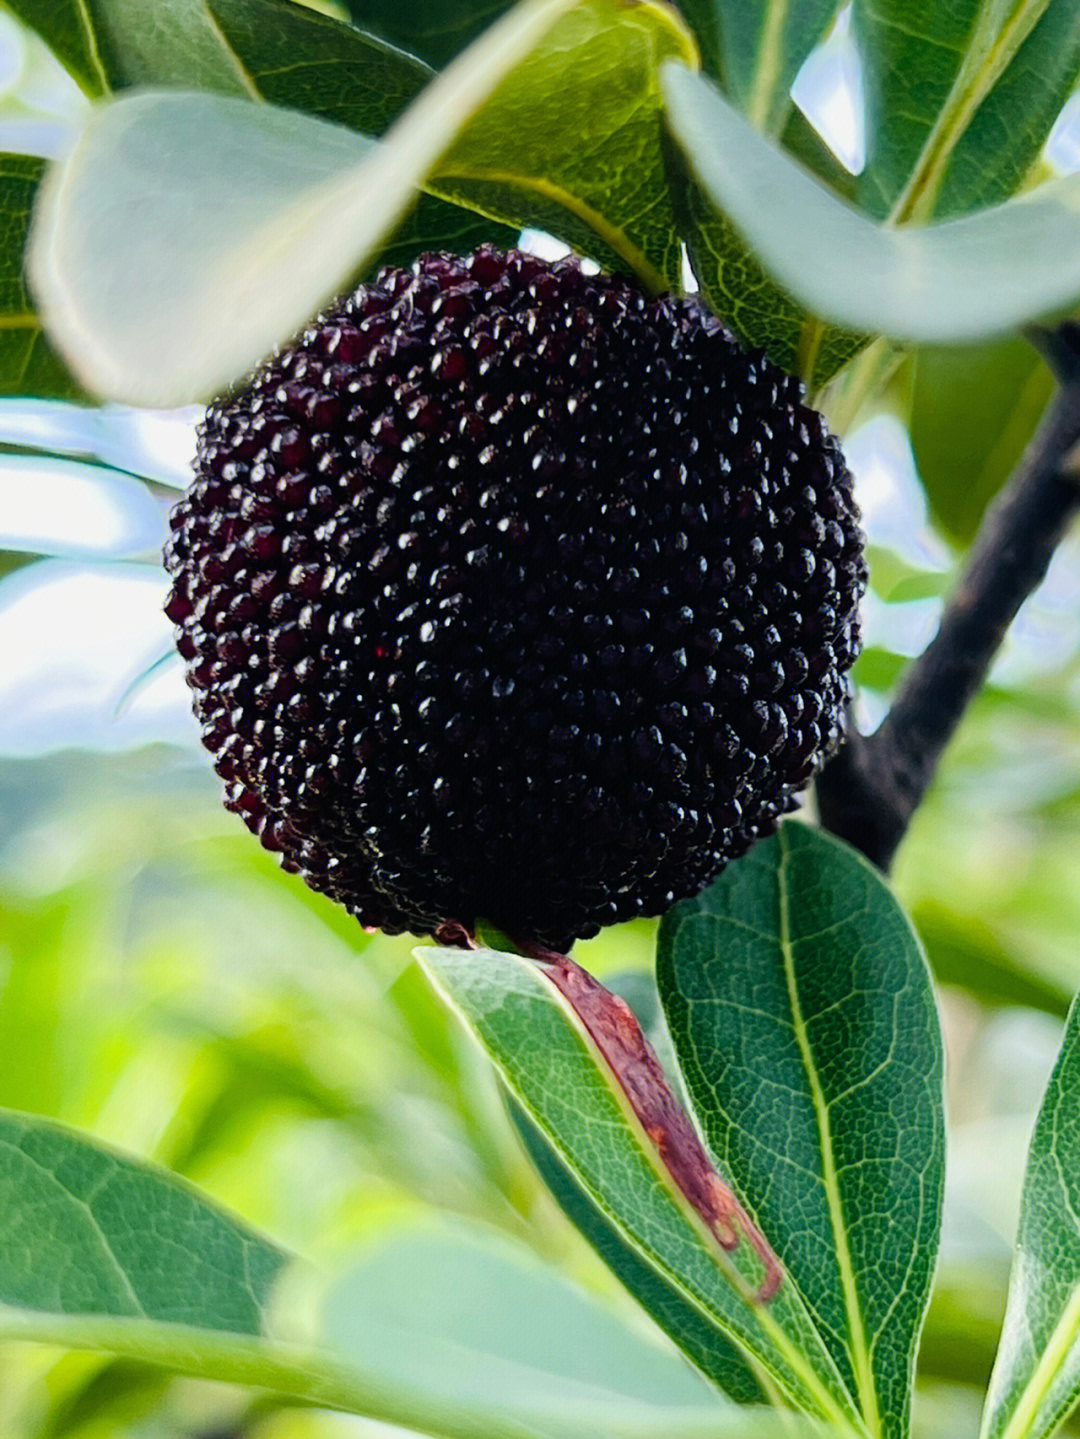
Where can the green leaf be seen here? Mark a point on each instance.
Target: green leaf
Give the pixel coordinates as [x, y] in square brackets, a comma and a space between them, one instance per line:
[481, 1318]
[801, 1009]
[762, 49]
[571, 141]
[86, 1231]
[555, 1071]
[740, 291]
[949, 283]
[105, 1252]
[973, 413]
[272, 50]
[716, 1357]
[803, 141]
[994, 156]
[433, 29]
[912, 52]
[164, 294]
[734, 283]
[960, 98]
[269, 49]
[1036, 1380]
[28, 365]
[437, 225]
[966, 952]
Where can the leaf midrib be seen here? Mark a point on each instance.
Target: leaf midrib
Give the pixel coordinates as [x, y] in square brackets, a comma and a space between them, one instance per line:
[1058, 1348]
[243, 74]
[767, 70]
[92, 48]
[83, 1204]
[864, 1376]
[916, 201]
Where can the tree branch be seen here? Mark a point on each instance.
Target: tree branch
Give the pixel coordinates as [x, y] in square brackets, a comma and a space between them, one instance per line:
[870, 789]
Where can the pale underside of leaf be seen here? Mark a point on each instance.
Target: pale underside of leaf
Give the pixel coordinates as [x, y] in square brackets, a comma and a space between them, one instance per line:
[154, 343]
[952, 282]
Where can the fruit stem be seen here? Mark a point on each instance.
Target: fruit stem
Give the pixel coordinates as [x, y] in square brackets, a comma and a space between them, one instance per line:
[870, 789]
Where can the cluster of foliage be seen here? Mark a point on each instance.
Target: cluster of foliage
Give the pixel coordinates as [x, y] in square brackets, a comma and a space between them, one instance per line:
[270, 155]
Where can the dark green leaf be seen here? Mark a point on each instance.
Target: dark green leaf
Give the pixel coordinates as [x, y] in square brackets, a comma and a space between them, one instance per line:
[803, 141]
[912, 52]
[68, 29]
[301, 60]
[736, 286]
[956, 282]
[273, 49]
[87, 1231]
[433, 29]
[801, 1009]
[960, 98]
[740, 291]
[699, 1340]
[105, 1252]
[762, 49]
[994, 155]
[437, 225]
[28, 365]
[571, 141]
[704, 16]
[1036, 1381]
[555, 1071]
[973, 412]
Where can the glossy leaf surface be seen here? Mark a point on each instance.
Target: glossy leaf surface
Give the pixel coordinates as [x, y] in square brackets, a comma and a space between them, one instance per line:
[801, 1010]
[571, 141]
[762, 48]
[87, 1231]
[269, 49]
[433, 29]
[960, 98]
[704, 1346]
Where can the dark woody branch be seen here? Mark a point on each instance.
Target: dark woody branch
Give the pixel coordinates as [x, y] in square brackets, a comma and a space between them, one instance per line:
[870, 789]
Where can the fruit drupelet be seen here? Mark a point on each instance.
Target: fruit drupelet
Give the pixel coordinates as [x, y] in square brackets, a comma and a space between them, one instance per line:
[509, 593]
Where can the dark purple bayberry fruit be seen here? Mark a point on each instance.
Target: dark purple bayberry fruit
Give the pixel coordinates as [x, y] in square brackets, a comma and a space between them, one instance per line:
[509, 593]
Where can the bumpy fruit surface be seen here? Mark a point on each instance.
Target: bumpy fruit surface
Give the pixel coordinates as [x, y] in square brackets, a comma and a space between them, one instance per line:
[509, 593]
